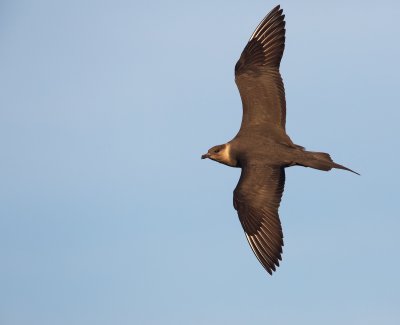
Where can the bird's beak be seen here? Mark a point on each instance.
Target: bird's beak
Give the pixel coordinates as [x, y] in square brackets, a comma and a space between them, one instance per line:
[207, 155]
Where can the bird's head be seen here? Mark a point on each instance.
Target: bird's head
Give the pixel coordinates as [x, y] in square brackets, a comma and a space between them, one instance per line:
[221, 154]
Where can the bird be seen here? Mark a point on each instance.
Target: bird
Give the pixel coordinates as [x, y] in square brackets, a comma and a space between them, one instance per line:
[262, 148]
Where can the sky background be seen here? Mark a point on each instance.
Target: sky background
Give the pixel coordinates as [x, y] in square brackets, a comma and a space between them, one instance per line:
[108, 215]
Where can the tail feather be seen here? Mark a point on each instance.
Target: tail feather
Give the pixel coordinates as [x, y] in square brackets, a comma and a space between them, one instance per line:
[321, 161]
[338, 166]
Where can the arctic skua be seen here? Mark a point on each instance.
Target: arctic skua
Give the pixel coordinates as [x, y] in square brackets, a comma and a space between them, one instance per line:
[262, 149]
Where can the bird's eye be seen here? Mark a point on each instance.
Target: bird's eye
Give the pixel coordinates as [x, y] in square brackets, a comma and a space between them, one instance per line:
[217, 150]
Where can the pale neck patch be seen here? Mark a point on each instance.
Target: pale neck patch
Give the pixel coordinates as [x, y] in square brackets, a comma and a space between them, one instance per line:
[226, 154]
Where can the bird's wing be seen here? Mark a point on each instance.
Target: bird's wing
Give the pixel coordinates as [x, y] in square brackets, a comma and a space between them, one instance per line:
[256, 199]
[257, 74]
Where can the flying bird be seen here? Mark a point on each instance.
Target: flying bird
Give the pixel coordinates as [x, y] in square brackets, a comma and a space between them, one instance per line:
[262, 149]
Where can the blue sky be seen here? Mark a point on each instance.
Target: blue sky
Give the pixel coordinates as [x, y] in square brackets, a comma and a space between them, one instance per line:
[107, 213]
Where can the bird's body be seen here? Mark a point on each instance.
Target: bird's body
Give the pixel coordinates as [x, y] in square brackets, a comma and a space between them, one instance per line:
[262, 148]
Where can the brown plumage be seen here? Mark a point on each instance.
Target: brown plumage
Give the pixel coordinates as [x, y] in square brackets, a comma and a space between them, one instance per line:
[262, 149]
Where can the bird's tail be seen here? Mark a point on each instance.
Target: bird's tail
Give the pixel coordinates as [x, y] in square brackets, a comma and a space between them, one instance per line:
[321, 161]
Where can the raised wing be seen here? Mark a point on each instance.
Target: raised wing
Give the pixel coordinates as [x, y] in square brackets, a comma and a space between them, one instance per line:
[256, 199]
[257, 74]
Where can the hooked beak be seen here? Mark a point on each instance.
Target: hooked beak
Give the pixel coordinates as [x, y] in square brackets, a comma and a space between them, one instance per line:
[207, 155]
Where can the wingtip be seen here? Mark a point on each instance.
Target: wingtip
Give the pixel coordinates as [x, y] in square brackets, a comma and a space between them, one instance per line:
[276, 8]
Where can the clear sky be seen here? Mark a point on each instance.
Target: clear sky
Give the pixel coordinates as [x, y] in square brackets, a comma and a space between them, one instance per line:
[108, 215]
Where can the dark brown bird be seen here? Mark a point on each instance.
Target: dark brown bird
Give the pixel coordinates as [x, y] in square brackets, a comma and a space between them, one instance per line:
[262, 149]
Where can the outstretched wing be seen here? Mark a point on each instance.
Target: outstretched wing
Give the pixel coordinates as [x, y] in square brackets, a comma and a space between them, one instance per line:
[257, 74]
[256, 199]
